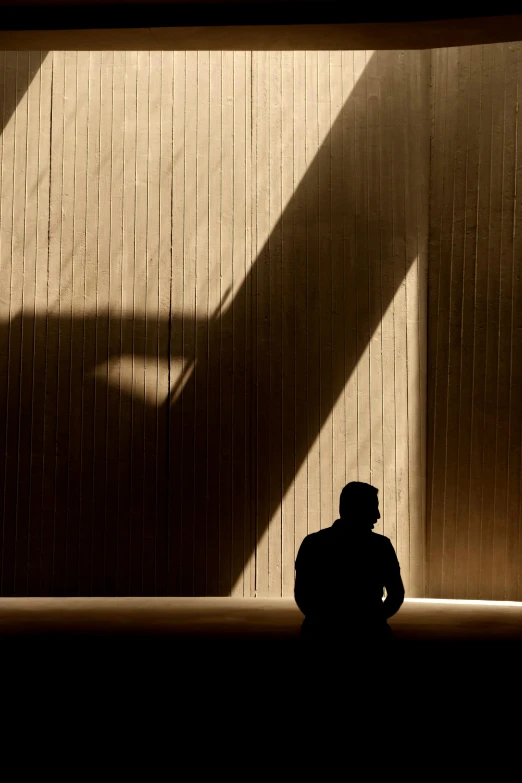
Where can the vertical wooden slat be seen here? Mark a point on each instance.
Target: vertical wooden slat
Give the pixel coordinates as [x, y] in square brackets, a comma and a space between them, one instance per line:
[79, 260]
[375, 263]
[116, 99]
[421, 395]
[126, 334]
[461, 261]
[40, 181]
[139, 327]
[203, 286]
[417, 183]
[227, 414]
[326, 265]
[164, 298]
[102, 479]
[493, 357]
[488, 344]
[311, 187]
[300, 315]
[55, 390]
[250, 537]
[12, 180]
[449, 315]
[210, 348]
[21, 433]
[362, 230]
[339, 259]
[400, 232]
[189, 307]
[6, 140]
[438, 319]
[467, 399]
[261, 153]
[65, 163]
[274, 362]
[388, 495]
[176, 325]
[513, 539]
[288, 325]
[48, 382]
[349, 225]
[253, 307]
[240, 511]
[153, 410]
[479, 296]
[507, 110]
[91, 431]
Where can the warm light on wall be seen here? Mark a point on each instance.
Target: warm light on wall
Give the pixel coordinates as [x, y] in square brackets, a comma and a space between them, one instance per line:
[147, 381]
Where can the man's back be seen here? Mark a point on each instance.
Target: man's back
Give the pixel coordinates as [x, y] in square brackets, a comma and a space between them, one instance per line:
[341, 573]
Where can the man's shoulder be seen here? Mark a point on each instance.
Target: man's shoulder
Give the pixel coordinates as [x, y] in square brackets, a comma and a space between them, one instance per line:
[318, 537]
[382, 543]
[380, 540]
[327, 537]
[385, 550]
[316, 540]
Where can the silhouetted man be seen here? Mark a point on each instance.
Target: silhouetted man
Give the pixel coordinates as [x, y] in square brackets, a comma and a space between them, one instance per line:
[342, 571]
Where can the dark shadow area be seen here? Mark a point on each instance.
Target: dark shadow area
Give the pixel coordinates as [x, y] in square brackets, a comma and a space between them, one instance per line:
[474, 422]
[15, 80]
[77, 15]
[105, 493]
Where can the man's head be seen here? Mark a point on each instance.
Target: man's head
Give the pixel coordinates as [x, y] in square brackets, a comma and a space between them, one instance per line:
[359, 503]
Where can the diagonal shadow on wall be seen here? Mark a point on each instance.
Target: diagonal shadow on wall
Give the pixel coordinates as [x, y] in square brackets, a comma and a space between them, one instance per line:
[15, 80]
[108, 493]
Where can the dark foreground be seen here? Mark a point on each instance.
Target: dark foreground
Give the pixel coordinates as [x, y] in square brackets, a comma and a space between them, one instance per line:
[192, 690]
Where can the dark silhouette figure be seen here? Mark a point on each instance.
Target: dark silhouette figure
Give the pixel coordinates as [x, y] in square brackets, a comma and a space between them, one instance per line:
[342, 571]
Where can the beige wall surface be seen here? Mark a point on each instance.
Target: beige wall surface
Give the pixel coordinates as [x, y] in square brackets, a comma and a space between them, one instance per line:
[213, 314]
[213, 303]
[475, 325]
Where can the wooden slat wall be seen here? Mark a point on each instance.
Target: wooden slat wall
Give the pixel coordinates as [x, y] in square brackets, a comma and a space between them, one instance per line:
[212, 286]
[475, 325]
[341, 139]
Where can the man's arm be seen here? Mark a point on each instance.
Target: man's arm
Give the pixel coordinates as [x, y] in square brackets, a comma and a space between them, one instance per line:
[303, 589]
[393, 584]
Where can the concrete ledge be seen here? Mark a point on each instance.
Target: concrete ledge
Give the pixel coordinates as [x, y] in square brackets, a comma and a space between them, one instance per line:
[211, 618]
[454, 620]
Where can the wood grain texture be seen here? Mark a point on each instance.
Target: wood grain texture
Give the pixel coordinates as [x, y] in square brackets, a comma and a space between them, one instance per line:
[213, 313]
